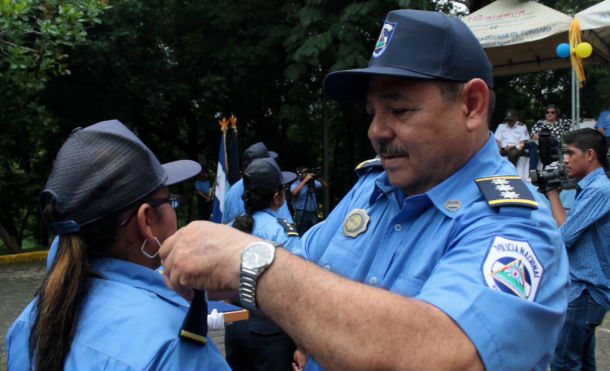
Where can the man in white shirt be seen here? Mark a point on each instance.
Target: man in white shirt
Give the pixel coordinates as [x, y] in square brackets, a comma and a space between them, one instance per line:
[511, 136]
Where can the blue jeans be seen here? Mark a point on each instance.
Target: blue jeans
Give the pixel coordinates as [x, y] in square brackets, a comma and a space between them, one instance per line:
[575, 348]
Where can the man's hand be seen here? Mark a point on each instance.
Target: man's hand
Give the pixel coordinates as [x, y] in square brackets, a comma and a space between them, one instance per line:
[203, 255]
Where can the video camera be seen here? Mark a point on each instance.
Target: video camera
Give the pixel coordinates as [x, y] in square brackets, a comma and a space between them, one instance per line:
[548, 179]
[316, 171]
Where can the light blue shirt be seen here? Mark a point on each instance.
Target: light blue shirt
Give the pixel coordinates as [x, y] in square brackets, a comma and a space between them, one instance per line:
[129, 320]
[268, 227]
[418, 247]
[603, 121]
[234, 204]
[586, 233]
[305, 200]
[203, 186]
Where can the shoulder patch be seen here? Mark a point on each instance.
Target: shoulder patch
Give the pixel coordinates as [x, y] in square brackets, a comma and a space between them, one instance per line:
[364, 166]
[290, 229]
[511, 266]
[506, 190]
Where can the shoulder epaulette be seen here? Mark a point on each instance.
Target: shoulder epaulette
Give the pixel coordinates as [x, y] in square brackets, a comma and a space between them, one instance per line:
[374, 163]
[290, 229]
[506, 190]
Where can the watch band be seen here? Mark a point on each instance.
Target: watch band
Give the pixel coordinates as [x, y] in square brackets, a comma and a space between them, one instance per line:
[247, 289]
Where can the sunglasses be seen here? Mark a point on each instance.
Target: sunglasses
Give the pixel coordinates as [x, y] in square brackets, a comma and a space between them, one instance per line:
[173, 200]
[552, 112]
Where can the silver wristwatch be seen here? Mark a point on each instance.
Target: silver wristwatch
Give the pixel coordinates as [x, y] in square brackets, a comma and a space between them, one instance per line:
[255, 258]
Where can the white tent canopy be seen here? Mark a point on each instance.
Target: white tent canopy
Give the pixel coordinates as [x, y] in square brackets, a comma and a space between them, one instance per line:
[521, 36]
[595, 26]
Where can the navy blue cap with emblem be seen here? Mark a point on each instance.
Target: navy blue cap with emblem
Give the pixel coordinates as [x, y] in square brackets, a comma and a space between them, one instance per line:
[418, 44]
[506, 190]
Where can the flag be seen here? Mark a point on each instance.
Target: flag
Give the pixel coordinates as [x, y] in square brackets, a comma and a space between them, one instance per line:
[233, 173]
[221, 184]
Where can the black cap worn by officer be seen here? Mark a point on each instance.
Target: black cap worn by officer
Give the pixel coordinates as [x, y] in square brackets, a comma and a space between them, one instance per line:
[419, 44]
[511, 114]
[265, 173]
[257, 150]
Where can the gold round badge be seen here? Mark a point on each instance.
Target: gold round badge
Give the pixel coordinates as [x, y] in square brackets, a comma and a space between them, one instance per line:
[355, 222]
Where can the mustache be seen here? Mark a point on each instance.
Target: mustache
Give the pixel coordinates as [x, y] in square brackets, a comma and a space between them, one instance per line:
[388, 148]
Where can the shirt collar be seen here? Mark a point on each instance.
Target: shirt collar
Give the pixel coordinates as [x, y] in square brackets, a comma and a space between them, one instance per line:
[589, 178]
[136, 275]
[459, 189]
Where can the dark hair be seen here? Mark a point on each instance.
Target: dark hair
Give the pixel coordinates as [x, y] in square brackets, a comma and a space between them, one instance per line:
[254, 200]
[65, 284]
[588, 138]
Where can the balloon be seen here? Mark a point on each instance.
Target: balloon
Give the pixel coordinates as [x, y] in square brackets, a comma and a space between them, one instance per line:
[563, 50]
[583, 50]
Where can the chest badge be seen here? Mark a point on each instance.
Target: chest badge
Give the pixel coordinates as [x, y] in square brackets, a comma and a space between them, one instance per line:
[355, 222]
[453, 205]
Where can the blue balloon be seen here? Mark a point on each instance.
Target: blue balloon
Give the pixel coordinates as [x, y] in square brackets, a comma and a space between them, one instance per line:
[563, 50]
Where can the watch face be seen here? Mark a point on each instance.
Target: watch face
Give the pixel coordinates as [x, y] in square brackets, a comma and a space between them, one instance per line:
[258, 255]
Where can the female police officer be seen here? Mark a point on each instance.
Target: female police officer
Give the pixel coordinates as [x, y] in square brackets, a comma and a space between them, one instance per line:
[102, 305]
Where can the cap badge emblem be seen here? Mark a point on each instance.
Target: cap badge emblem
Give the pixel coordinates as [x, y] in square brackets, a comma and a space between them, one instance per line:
[387, 31]
[355, 222]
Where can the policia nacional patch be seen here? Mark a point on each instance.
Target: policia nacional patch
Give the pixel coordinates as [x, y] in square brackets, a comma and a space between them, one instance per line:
[355, 222]
[506, 190]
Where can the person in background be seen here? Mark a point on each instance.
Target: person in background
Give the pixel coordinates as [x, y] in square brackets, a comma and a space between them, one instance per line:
[304, 201]
[551, 124]
[204, 201]
[234, 205]
[585, 230]
[102, 305]
[440, 257]
[603, 123]
[258, 343]
[511, 136]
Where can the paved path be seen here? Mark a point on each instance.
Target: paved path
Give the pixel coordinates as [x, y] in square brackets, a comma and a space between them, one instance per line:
[21, 279]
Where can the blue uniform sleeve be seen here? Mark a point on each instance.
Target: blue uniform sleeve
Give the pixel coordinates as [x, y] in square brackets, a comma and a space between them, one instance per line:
[234, 205]
[512, 315]
[182, 355]
[589, 206]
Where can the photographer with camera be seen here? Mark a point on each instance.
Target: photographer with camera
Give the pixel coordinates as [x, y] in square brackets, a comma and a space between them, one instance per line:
[585, 230]
[304, 200]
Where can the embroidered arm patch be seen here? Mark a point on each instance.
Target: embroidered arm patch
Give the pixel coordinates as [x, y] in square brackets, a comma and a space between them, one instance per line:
[511, 266]
[506, 190]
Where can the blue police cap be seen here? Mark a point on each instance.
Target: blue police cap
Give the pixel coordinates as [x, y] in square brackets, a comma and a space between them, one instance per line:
[419, 44]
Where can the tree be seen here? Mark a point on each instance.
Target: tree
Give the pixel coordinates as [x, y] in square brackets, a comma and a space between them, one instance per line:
[35, 39]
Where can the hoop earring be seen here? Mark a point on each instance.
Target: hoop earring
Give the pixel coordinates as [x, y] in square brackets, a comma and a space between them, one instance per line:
[147, 254]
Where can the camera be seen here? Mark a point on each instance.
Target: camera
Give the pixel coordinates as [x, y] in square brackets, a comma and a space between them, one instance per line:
[549, 179]
[548, 147]
[316, 171]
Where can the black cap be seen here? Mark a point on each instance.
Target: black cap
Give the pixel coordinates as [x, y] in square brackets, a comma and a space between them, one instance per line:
[510, 114]
[101, 169]
[419, 44]
[257, 150]
[265, 173]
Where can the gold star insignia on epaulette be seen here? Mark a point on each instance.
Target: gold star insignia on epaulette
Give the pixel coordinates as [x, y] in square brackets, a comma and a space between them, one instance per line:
[506, 190]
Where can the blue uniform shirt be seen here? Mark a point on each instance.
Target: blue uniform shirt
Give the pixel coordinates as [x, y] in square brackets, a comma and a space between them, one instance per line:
[305, 200]
[203, 186]
[501, 273]
[129, 320]
[603, 121]
[268, 227]
[586, 233]
[234, 205]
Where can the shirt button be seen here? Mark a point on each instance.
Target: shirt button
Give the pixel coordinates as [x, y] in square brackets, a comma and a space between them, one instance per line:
[373, 280]
[327, 267]
[397, 227]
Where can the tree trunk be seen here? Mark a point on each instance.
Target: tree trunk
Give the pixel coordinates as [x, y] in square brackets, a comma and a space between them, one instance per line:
[9, 241]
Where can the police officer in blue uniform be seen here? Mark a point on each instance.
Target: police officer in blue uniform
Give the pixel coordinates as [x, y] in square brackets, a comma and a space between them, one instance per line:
[102, 305]
[234, 205]
[258, 343]
[440, 257]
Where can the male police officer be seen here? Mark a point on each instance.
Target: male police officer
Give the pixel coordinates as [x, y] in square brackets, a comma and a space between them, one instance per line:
[462, 268]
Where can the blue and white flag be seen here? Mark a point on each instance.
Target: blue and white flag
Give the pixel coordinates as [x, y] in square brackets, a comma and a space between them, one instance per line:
[221, 185]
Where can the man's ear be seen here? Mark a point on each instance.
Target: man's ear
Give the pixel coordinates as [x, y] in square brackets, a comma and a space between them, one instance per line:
[590, 155]
[475, 96]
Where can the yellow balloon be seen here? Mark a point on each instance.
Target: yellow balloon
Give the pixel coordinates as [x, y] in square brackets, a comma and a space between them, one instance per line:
[583, 50]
